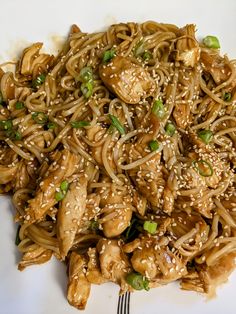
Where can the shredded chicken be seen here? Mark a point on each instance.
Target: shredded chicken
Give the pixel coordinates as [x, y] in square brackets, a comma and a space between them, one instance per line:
[37, 255]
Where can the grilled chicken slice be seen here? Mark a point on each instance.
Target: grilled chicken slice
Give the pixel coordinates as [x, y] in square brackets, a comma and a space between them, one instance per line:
[45, 195]
[93, 273]
[116, 208]
[113, 262]
[71, 210]
[7, 173]
[129, 81]
[78, 286]
[35, 255]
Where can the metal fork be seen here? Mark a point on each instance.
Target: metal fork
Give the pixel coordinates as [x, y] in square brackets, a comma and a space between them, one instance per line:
[123, 303]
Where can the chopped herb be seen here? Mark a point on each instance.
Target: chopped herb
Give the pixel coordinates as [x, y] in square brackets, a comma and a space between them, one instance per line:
[150, 226]
[59, 196]
[51, 125]
[108, 55]
[40, 117]
[227, 96]
[64, 186]
[203, 167]
[79, 124]
[139, 49]
[154, 145]
[137, 281]
[158, 108]
[133, 230]
[13, 134]
[17, 239]
[86, 74]
[94, 225]
[211, 42]
[147, 55]
[87, 89]
[205, 135]
[170, 129]
[6, 125]
[38, 81]
[116, 123]
[19, 105]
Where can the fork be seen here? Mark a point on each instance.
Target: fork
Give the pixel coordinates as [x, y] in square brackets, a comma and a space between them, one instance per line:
[123, 303]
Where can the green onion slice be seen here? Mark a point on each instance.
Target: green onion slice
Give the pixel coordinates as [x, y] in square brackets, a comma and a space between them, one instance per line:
[64, 186]
[51, 125]
[154, 145]
[6, 125]
[205, 135]
[227, 96]
[211, 42]
[170, 129]
[79, 124]
[86, 74]
[59, 196]
[137, 281]
[13, 135]
[17, 239]
[40, 117]
[108, 55]
[94, 225]
[116, 123]
[147, 55]
[19, 105]
[150, 226]
[87, 89]
[139, 49]
[38, 81]
[203, 167]
[158, 108]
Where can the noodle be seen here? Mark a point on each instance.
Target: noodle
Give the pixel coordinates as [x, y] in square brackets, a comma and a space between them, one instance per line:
[120, 154]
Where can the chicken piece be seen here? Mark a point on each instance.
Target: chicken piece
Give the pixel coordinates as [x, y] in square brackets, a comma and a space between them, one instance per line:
[158, 263]
[25, 175]
[93, 273]
[188, 50]
[214, 64]
[148, 176]
[116, 208]
[70, 212]
[45, 194]
[113, 262]
[189, 232]
[129, 81]
[181, 115]
[33, 63]
[35, 255]
[7, 173]
[78, 286]
[7, 86]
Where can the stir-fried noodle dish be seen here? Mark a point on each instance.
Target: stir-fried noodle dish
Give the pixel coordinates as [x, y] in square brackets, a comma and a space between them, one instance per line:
[120, 156]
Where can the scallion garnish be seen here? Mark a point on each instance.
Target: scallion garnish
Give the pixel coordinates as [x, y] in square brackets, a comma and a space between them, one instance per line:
[203, 167]
[227, 96]
[40, 117]
[108, 55]
[59, 196]
[211, 42]
[51, 125]
[153, 145]
[139, 49]
[116, 123]
[64, 186]
[79, 124]
[17, 239]
[158, 108]
[87, 89]
[86, 74]
[94, 225]
[205, 135]
[39, 80]
[13, 134]
[19, 105]
[147, 55]
[6, 125]
[170, 129]
[150, 226]
[137, 281]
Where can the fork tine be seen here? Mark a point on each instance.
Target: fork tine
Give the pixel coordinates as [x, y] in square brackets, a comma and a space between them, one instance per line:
[123, 303]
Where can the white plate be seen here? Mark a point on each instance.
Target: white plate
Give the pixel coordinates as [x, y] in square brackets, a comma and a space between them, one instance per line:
[41, 289]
